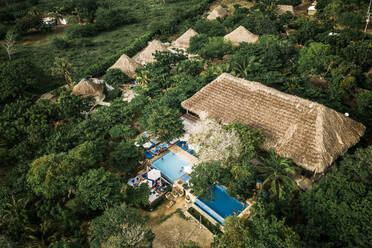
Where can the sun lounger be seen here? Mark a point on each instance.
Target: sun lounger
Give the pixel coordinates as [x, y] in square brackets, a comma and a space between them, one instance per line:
[181, 143]
[148, 155]
[185, 147]
[191, 151]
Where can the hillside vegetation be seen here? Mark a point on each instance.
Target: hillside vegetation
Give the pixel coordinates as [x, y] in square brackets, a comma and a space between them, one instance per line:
[65, 163]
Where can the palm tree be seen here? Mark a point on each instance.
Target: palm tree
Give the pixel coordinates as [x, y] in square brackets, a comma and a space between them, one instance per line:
[277, 172]
[62, 67]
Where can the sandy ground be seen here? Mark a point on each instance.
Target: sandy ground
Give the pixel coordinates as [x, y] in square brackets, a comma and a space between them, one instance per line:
[176, 229]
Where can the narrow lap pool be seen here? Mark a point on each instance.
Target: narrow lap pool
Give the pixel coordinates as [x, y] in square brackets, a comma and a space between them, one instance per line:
[221, 205]
[171, 166]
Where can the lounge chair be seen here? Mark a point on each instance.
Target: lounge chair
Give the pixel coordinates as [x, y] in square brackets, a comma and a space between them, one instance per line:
[148, 155]
[191, 151]
[170, 204]
[180, 143]
[185, 147]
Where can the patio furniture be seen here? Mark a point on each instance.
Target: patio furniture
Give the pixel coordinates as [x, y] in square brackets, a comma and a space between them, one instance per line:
[185, 147]
[168, 195]
[148, 155]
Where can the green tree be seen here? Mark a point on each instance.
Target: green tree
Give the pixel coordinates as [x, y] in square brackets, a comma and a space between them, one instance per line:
[55, 174]
[120, 226]
[115, 77]
[338, 210]
[163, 121]
[17, 78]
[204, 176]
[138, 196]
[257, 232]
[277, 172]
[316, 58]
[125, 156]
[62, 67]
[99, 189]
[122, 131]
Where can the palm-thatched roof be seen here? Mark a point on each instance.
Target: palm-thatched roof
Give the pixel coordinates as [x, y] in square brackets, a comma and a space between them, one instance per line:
[88, 88]
[217, 12]
[183, 42]
[241, 34]
[281, 9]
[127, 65]
[308, 132]
[146, 55]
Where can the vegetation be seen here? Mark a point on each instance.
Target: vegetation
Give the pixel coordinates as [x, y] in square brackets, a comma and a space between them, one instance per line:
[65, 162]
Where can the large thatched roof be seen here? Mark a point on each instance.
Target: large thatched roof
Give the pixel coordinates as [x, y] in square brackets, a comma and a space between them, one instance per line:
[127, 65]
[88, 88]
[183, 41]
[308, 132]
[217, 12]
[241, 34]
[281, 9]
[146, 55]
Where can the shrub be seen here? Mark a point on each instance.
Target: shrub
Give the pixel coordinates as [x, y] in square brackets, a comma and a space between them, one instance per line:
[60, 43]
[210, 28]
[215, 48]
[115, 77]
[351, 19]
[197, 42]
[80, 31]
[108, 19]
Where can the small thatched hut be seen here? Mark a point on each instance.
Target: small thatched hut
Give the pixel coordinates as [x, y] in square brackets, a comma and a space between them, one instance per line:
[281, 9]
[127, 65]
[241, 34]
[183, 42]
[308, 132]
[217, 12]
[146, 55]
[88, 88]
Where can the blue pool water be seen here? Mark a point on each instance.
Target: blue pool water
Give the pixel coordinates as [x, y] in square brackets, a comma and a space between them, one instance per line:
[221, 205]
[171, 166]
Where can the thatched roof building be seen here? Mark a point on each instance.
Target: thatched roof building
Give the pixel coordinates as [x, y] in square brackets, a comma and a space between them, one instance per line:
[183, 42]
[308, 132]
[217, 12]
[146, 55]
[88, 88]
[241, 34]
[127, 65]
[281, 9]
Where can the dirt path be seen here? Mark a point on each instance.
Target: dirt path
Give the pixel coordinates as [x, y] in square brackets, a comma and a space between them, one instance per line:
[176, 229]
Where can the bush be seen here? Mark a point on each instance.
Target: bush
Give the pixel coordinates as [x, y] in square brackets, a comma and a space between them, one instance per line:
[215, 48]
[60, 43]
[210, 28]
[80, 31]
[351, 19]
[197, 42]
[115, 77]
[107, 19]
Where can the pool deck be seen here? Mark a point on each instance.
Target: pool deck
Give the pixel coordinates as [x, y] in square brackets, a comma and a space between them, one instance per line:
[179, 152]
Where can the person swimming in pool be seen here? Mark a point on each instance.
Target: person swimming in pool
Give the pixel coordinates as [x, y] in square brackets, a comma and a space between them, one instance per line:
[181, 169]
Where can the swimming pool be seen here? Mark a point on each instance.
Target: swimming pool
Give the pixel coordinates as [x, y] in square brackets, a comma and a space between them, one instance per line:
[221, 205]
[171, 166]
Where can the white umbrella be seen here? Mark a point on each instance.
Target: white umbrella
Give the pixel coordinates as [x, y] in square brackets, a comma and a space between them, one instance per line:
[147, 145]
[154, 174]
[187, 169]
[149, 183]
